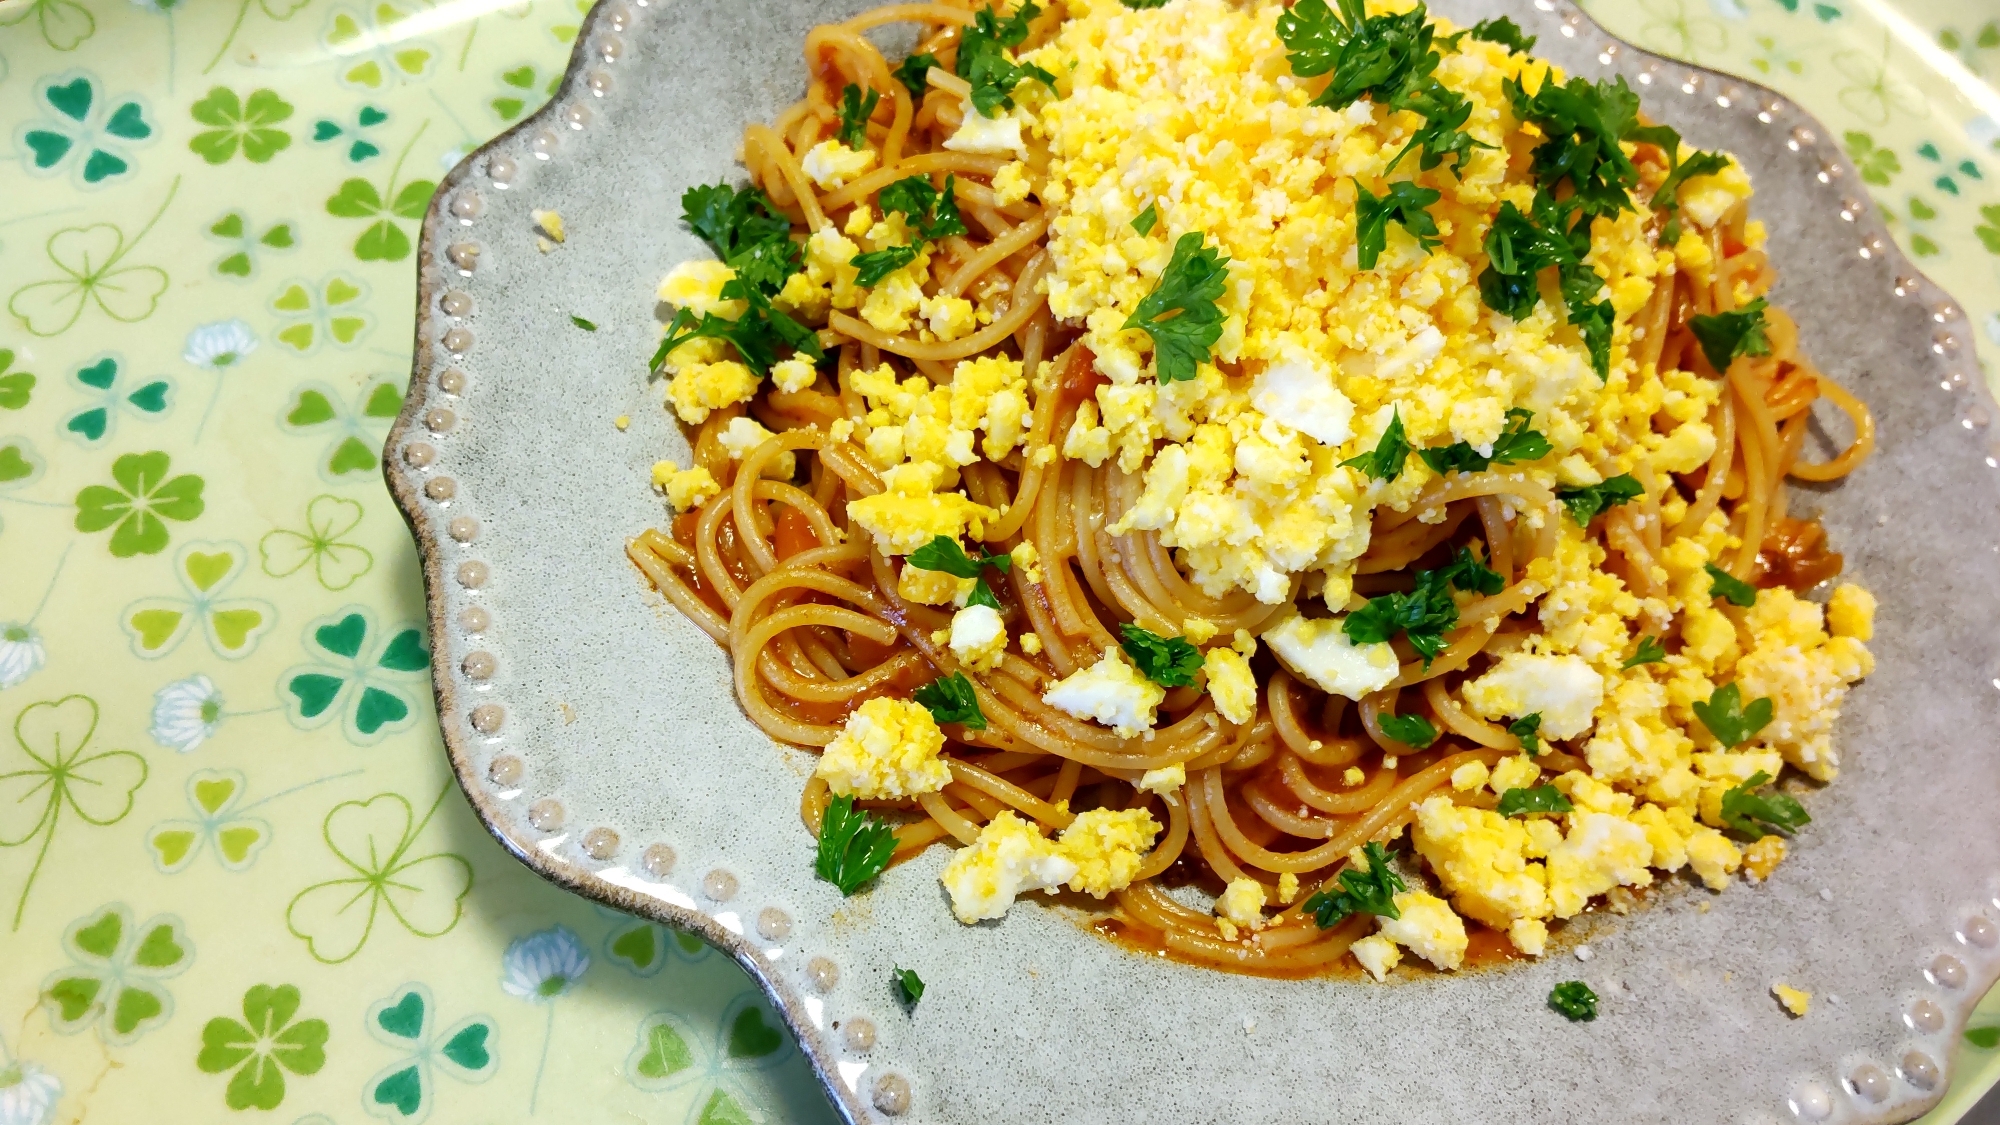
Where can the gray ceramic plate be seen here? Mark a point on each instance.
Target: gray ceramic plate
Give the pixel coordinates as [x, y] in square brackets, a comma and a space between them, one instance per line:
[595, 730]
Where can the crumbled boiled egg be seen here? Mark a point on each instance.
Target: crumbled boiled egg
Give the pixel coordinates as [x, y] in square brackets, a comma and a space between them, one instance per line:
[1242, 904]
[978, 637]
[989, 136]
[1377, 954]
[1231, 684]
[1795, 1000]
[1427, 928]
[1564, 690]
[1318, 651]
[1108, 847]
[1163, 779]
[1111, 692]
[685, 489]
[702, 388]
[887, 748]
[744, 434]
[832, 164]
[1010, 858]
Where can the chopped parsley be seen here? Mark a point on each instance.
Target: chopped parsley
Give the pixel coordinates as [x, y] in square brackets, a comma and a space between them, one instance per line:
[1583, 123]
[1167, 661]
[950, 699]
[913, 72]
[1729, 719]
[756, 335]
[854, 847]
[1520, 245]
[1650, 652]
[1574, 999]
[1379, 55]
[1425, 614]
[1505, 32]
[1442, 135]
[755, 240]
[854, 114]
[934, 213]
[1724, 336]
[943, 553]
[1145, 220]
[587, 326]
[1667, 197]
[1585, 503]
[1410, 730]
[983, 61]
[1403, 203]
[1385, 461]
[1540, 799]
[1528, 728]
[909, 986]
[1371, 890]
[1722, 584]
[1180, 313]
[1753, 815]
[1142, 5]
[1516, 443]
[878, 264]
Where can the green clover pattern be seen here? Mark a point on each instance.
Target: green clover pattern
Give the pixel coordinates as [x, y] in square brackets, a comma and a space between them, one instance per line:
[113, 982]
[405, 1090]
[378, 874]
[353, 434]
[113, 395]
[85, 132]
[248, 123]
[366, 680]
[234, 229]
[259, 1049]
[135, 506]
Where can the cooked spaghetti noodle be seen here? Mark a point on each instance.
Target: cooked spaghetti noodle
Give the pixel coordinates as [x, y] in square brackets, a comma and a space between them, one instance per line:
[984, 392]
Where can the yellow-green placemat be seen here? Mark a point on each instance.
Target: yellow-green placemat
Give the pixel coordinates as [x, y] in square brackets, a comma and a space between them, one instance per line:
[234, 877]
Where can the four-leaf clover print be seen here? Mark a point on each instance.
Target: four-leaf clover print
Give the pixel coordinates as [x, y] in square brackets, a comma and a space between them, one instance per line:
[142, 495]
[262, 1046]
[46, 775]
[367, 679]
[325, 312]
[86, 133]
[87, 263]
[672, 1055]
[249, 123]
[214, 797]
[232, 626]
[1878, 163]
[113, 979]
[112, 395]
[379, 873]
[404, 1090]
[356, 433]
[15, 385]
[336, 563]
[235, 229]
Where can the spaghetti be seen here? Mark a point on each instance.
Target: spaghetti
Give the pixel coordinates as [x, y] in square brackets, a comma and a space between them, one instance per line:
[983, 392]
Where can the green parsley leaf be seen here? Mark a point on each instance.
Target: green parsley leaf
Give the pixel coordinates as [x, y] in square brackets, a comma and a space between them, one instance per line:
[1540, 799]
[1518, 247]
[1667, 197]
[1516, 443]
[1145, 220]
[983, 61]
[1729, 719]
[1984, 1038]
[909, 986]
[1410, 730]
[1371, 890]
[1443, 135]
[1583, 123]
[587, 326]
[913, 72]
[943, 553]
[1751, 815]
[1403, 203]
[1180, 313]
[1650, 652]
[1574, 999]
[1724, 336]
[950, 699]
[1585, 503]
[1467, 573]
[1722, 584]
[1505, 32]
[933, 212]
[1142, 5]
[1378, 55]
[749, 234]
[1528, 728]
[756, 335]
[878, 264]
[854, 114]
[1424, 614]
[1167, 661]
[854, 847]
[1385, 461]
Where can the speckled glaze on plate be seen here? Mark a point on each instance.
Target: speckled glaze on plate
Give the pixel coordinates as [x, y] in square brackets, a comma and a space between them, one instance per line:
[596, 733]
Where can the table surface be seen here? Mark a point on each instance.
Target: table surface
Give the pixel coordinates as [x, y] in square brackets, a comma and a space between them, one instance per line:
[234, 870]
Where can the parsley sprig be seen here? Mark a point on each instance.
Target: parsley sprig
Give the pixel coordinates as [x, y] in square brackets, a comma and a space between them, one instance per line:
[1528, 728]
[913, 72]
[1538, 799]
[943, 553]
[1729, 719]
[1516, 443]
[1722, 584]
[909, 986]
[1583, 123]
[1519, 246]
[1650, 651]
[872, 267]
[1180, 314]
[1410, 730]
[855, 111]
[1752, 814]
[1667, 197]
[1368, 890]
[1167, 661]
[756, 335]
[1503, 31]
[933, 213]
[1585, 503]
[983, 61]
[854, 847]
[1385, 461]
[1427, 612]
[755, 240]
[1574, 999]
[950, 699]
[1724, 336]
[1403, 203]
